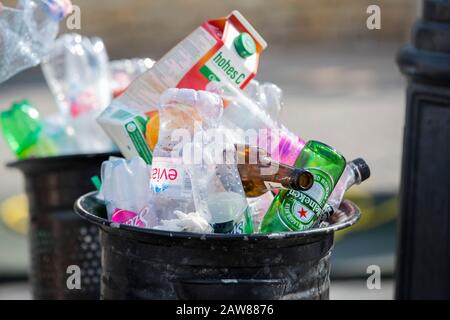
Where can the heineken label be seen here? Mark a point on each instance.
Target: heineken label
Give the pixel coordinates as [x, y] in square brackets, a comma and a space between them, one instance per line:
[300, 209]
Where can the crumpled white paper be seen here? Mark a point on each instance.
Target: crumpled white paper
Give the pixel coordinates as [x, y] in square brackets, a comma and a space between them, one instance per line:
[187, 222]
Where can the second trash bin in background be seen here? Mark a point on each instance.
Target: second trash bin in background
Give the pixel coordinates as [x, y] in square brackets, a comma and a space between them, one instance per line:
[59, 240]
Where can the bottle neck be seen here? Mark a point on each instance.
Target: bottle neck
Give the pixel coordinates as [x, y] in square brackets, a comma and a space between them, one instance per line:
[349, 178]
[284, 146]
[355, 176]
[57, 9]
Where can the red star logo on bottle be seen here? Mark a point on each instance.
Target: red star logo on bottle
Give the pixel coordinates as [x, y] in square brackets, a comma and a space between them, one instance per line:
[303, 213]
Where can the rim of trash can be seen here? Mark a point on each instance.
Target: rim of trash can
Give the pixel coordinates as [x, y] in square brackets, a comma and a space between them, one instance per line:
[45, 163]
[102, 223]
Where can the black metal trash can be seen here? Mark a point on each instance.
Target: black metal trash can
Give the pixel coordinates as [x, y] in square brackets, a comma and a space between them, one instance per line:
[58, 238]
[150, 264]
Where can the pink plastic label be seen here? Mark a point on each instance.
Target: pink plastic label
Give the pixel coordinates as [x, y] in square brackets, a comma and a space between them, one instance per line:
[131, 218]
[283, 147]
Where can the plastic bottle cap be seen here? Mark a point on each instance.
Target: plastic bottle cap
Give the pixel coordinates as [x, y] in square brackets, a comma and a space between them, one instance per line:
[244, 45]
[363, 168]
[58, 9]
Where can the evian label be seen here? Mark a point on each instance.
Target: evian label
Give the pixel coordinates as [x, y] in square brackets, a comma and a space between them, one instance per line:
[130, 218]
[167, 173]
[300, 209]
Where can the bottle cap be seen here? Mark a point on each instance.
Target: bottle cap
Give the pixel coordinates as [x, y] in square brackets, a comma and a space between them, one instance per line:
[58, 9]
[244, 45]
[363, 168]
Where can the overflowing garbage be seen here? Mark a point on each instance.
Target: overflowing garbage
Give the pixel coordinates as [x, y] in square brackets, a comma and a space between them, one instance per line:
[203, 149]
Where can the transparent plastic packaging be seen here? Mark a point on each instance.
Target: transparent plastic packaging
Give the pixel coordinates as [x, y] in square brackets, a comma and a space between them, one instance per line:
[27, 33]
[217, 189]
[77, 72]
[180, 112]
[126, 191]
[244, 113]
[125, 71]
[268, 96]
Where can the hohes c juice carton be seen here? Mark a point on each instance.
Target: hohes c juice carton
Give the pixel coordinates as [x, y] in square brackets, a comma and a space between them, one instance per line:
[224, 50]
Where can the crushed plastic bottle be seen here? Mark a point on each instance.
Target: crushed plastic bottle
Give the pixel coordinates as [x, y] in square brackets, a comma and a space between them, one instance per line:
[77, 72]
[244, 113]
[123, 72]
[268, 96]
[217, 190]
[180, 111]
[126, 191]
[27, 33]
[63, 136]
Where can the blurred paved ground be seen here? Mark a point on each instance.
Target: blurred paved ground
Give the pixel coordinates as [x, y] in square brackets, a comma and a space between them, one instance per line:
[351, 98]
[340, 290]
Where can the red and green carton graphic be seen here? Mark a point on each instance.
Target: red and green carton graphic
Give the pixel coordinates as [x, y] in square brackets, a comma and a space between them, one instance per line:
[222, 50]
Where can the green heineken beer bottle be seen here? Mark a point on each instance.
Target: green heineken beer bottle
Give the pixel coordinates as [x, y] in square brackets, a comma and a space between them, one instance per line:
[294, 210]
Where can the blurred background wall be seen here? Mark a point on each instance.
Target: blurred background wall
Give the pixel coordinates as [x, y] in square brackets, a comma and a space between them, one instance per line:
[154, 26]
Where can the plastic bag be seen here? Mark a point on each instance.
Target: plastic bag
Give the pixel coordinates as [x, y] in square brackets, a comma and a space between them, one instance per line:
[126, 191]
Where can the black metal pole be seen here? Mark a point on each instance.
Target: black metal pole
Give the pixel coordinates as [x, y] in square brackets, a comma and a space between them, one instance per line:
[423, 260]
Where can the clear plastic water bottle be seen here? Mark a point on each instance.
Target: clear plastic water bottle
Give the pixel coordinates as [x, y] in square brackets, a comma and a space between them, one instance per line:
[27, 32]
[179, 109]
[218, 191]
[268, 96]
[124, 71]
[243, 112]
[77, 72]
[55, 127]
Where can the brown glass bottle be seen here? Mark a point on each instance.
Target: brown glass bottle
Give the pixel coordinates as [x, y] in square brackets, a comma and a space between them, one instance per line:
[259, 173]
